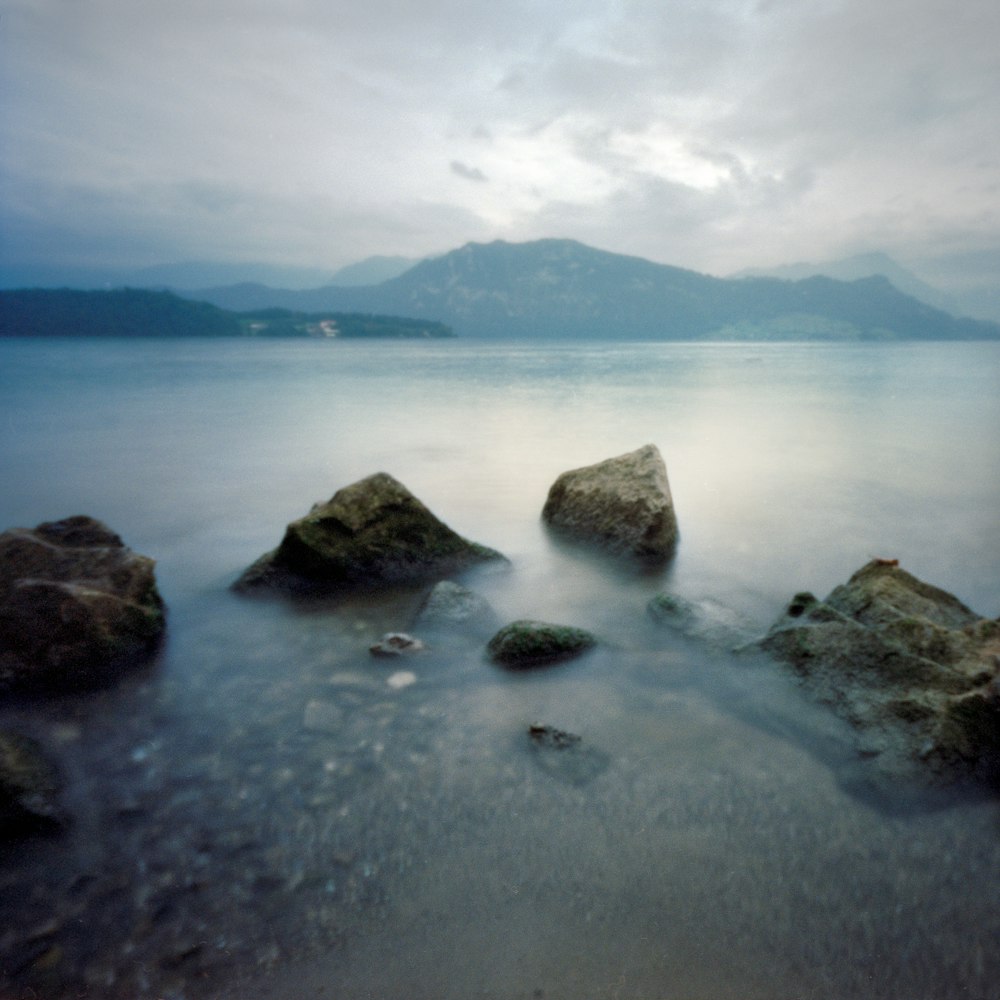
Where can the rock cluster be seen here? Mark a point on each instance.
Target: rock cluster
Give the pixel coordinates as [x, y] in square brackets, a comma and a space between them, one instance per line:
[77, 606]
[914, 670]
[374, 532]
[622, 506]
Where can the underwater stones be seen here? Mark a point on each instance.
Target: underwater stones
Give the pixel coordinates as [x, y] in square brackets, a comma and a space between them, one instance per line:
[621, 506]
[525, 644]
[29, 788]
[452, 607]
[564, 755]
[373, 532]
[704, 620]
[909, 665]
[396, 644]
[77, 606]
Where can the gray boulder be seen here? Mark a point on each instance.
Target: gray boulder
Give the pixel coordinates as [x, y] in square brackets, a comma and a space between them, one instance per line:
[622, 506]
[705, 620]
[372, 533]
[525, 644]
[913, 669]
[450, 607]
[76, 606]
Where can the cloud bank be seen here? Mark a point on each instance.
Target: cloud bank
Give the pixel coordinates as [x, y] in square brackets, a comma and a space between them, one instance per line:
[713, 134]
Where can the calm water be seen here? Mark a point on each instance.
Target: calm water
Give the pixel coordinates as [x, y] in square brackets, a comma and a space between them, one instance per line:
[264, 815]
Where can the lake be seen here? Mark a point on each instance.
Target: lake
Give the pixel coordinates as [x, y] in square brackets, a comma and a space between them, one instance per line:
[270, 812]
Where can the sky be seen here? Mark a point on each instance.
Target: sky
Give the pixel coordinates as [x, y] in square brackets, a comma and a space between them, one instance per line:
[710, 134]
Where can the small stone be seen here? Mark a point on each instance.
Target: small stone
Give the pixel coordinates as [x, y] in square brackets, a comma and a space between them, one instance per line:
[525, 644]
[396, 644]
[401, 679]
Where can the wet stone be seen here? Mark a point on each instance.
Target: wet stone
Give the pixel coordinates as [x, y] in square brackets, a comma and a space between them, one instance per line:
[565, 756]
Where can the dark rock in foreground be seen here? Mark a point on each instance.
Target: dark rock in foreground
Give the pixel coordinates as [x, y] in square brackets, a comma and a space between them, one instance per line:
[622, 506]
[525, 644]
[374, 532]
[76, 606]
[912, 668]
[29, 788]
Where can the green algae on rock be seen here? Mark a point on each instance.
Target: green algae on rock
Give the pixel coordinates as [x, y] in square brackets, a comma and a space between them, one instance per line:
[914, 670]
[371, 533]
[524, 644]
[77, 606]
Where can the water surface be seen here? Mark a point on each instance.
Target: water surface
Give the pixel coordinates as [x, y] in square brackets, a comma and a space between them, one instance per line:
[232, 839]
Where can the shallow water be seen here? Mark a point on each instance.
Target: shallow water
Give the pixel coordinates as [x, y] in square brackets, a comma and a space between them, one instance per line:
[262, 814]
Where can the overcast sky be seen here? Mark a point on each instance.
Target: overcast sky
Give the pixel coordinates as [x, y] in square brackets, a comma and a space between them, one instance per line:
[711, 134]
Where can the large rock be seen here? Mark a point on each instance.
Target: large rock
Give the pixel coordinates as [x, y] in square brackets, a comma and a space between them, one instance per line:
[622, 505]
[525, 644]
[77, 606]
[372, 533]
[914, 670]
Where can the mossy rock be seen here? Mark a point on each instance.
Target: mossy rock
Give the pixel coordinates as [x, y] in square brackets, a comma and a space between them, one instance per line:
[525, 644]
[372, 533]
[77, 606]
[898, 657]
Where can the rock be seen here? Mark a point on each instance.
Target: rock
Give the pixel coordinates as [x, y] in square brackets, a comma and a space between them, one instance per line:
[374, 532]
[910, 666]
[396, 644]
[452, 607]
[29, 788]
[622, 506]
[525, 644]
[76, 606]
[564, 756]
[704, 620]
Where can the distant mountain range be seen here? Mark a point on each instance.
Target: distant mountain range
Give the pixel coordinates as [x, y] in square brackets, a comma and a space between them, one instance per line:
[863, 265]
[551, 289]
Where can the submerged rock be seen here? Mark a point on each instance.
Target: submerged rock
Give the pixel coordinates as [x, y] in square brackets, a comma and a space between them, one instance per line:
[29, 788]
[77, 606]
[565, 756]
[914, 669]
[705, 620]
[452, 607]
[622, 506]
[524, 644]
[373, 532]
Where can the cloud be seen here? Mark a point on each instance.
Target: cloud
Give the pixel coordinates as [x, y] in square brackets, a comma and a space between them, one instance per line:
[714, 134]
[468, 173]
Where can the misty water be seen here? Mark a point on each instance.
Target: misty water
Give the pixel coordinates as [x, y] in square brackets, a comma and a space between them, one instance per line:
[268, 811]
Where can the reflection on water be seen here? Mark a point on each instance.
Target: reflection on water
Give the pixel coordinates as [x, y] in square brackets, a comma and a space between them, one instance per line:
[263, 815]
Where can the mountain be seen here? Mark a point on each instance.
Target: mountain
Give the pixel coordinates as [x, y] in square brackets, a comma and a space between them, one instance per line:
[551, 289]
[863, 265]
[372, 271]
[135, 312]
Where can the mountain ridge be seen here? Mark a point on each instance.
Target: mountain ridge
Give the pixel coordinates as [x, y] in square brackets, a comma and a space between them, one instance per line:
[563, 289]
